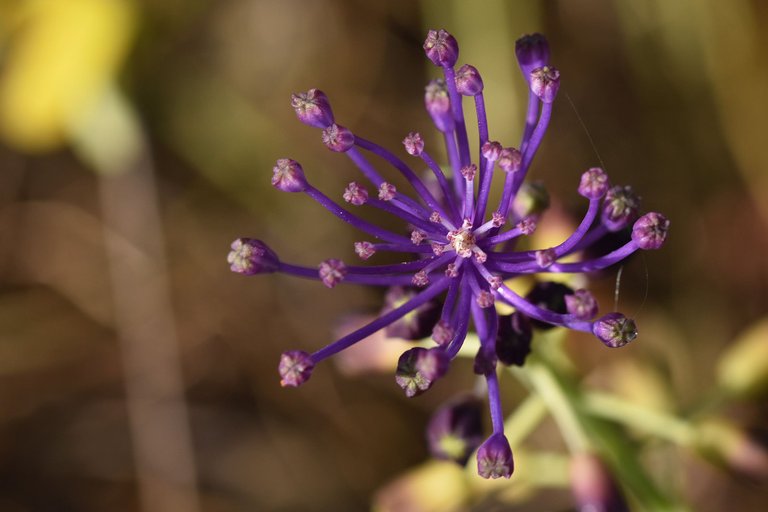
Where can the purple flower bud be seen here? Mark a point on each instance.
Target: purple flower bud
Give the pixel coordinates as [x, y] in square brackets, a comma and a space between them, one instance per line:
[650, 231]
[468, 81]
[332, 272]
[450, 270]
[545, 81]
[498, 219]
[418, 368]
[532, 52]
[594, 489]
[417, 324]
[295, 368]
[491, 150]
[355, 194]
[594, 183]
[443, 333]
[485, 361]
[550, 296]
[387, 191]
[494, 458]
[527, 225]
[545, 257]
[581, 304]
[418, 236]
[615, 330]
[513, 340]
[485, 299]
[312, 108]
[414, 144]
[456, 430]
[531, 200]
[510, 160]
[620, 207]
[337, 138]
[250, 257]
[364, 250]
[441, 48]
[288, 176]
[420, 279]
[469, 172]
[438, 104]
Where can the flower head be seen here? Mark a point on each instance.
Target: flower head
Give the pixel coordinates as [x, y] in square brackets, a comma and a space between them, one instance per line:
[459, 247]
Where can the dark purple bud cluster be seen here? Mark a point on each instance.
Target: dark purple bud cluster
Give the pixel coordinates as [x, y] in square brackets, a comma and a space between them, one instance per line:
[459, 246]
[456, 429]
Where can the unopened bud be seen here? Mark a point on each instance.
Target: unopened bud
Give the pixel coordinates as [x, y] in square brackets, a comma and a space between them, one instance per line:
[337, 138]
[288, 176]
[295, 368]
[312, 108]
[250, 257]
[650, 231]
[620, 207]
[441, 48]
[513, 340]
[419, 368]
[456, 430]
[594, 183]
[532, 51]
[491, 150]
[510, 160]
[494, 458]
[545, 82]
[414, 144]
[332, 272]
[615, 330]
[438, 104]
[468, 81]
[581, 304]
[415, 325]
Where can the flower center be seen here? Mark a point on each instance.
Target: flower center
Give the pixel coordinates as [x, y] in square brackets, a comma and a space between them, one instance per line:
[463, 241]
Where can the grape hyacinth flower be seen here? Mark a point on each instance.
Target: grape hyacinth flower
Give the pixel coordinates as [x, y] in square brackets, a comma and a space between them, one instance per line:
[460, 248]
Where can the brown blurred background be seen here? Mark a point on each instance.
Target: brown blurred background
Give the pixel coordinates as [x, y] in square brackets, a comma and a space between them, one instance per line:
[137, 140]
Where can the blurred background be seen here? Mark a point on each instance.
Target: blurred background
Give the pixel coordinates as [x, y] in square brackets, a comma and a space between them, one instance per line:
[137, 140]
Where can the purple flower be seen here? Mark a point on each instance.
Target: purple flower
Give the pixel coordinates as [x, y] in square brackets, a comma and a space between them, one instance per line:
[456, 429]
[494, 458]
[458, 246]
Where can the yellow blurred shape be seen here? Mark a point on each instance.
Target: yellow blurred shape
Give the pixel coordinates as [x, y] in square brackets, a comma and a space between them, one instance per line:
[743, 368]
[61, 56]
[435, 486]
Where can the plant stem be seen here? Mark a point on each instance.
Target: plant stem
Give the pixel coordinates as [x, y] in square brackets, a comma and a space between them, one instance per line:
[636, 416]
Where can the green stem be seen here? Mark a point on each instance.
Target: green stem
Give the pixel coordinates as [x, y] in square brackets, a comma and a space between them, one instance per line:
[636, 416]
[562, 396]
[557, 399]
[527, 416]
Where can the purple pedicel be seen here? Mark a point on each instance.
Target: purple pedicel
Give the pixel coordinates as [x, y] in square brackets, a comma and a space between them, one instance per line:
[458, 246]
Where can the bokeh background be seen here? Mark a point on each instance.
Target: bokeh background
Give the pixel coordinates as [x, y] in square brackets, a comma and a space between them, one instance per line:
[137, 140]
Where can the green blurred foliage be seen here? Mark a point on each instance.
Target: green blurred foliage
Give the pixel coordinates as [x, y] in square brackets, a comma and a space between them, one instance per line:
[670, 96]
